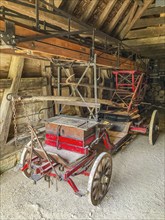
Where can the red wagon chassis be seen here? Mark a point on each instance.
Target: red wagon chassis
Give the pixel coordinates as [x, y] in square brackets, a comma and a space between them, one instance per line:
[69, 146]
[72, 144]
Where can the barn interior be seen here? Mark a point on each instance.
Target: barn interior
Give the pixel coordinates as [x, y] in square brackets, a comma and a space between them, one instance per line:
[58, 57]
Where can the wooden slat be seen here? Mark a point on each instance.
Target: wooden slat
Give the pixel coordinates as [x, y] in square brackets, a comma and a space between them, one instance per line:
[72, 101]
[117, 17]
[146, 22]
[154, 11]
[150, 31]
[58, 47]
[145, 41]
[90, 9]
[25, 83]
[100, 21]
[57, 3]
[138, 14]
[15, 73]
[127, 18]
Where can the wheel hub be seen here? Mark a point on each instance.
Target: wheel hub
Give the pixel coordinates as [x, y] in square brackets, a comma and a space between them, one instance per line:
[104, 179]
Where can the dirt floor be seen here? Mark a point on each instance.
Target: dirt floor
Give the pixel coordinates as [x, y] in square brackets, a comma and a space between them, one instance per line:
[136, 191]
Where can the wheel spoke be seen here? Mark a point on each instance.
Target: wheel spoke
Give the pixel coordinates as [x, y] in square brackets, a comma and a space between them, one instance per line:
[100, 178]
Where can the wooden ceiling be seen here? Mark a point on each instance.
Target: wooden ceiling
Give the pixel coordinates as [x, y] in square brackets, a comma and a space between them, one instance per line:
[137, 23]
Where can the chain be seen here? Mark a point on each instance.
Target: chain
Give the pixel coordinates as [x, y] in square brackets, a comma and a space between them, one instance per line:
[26, 115]
[14, 121]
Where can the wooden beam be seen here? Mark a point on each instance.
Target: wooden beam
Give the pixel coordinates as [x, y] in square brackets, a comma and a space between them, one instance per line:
[46, 89]
[44, 16]
[146, 22]
[89, 10]
[72, 101]
[138, 14]
[147, 32]
[56, 20]
[133, 10]
[70, 5]
[25, 83]
[154, 11]
[127, 18]
[62, 48]
[57, 3]
[104, 15]
[145, 41]
[117, 17]
[15, 73]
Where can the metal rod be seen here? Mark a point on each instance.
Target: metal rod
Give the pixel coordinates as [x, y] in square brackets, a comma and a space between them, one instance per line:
[95, 85]
[69, 21]
[118, 55]
[93, 46]
[59, 86]
[37, 13]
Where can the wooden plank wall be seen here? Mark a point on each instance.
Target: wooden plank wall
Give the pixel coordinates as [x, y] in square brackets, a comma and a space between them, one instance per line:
[32, 83]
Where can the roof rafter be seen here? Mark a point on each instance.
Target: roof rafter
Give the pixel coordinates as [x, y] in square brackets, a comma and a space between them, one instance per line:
[128, 17]
[138, 14]
[70, 5]
[117, 17]
[90, 9]
[105, 13]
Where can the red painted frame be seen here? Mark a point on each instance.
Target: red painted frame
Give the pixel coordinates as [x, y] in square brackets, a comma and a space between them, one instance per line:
[71, 145]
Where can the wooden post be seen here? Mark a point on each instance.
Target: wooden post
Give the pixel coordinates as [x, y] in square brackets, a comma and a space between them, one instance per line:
[15, 73]
[102, 75]
[46, 90]
[89, 74]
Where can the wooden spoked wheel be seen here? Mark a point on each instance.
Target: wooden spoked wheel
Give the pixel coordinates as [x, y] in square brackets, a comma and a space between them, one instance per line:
[99, 178]
[154, 127]
[25, 158]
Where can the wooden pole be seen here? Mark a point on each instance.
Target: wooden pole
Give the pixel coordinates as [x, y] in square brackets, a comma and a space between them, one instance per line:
[15, 73]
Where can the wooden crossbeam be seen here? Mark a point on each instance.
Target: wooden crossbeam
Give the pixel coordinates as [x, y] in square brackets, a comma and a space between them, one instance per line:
[154, 11]
[147, 32]
[25, 83]
[117, 17]
[73, 101]
[147, 22]
[145, 41]
[138, 14]
[15, 73]
[90, 9]
[107, 10]
[58, 47]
